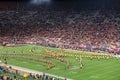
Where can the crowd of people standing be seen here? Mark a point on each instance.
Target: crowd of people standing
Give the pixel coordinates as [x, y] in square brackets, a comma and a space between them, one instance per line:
[89, 30]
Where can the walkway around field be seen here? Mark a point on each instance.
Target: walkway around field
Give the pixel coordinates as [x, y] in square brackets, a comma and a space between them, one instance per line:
[34, 71]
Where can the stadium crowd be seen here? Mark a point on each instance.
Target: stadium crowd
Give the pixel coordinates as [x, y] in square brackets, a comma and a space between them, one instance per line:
[91, 30]
[26, 75]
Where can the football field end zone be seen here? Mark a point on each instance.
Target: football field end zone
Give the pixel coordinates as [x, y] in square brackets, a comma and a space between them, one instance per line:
[32, 71]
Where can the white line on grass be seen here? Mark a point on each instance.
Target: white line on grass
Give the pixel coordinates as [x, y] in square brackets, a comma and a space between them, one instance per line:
[36, 72]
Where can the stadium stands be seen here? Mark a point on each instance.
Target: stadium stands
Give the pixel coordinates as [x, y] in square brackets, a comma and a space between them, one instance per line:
[89, 30]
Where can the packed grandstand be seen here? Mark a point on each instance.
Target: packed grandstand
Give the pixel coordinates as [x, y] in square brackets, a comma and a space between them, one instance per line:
[48, 43]
[89, 30]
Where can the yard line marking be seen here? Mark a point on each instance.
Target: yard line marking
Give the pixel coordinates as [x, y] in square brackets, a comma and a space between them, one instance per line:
[35, 71]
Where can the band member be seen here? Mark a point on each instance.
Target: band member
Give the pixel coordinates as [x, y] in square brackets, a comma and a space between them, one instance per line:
[5, 61]
[81, 63]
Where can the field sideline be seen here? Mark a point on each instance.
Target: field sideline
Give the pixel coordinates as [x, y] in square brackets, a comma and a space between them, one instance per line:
[56, 61]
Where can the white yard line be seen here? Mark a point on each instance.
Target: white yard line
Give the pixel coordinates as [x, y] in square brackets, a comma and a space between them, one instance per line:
[36, 72]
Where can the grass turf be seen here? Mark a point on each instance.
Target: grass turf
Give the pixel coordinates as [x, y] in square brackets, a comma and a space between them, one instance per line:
[94, 69]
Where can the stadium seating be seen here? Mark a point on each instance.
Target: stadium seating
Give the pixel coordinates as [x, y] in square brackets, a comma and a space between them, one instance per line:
[89, 30]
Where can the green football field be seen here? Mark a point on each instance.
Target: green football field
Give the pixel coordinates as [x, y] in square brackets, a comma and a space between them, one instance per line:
[65, 63]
